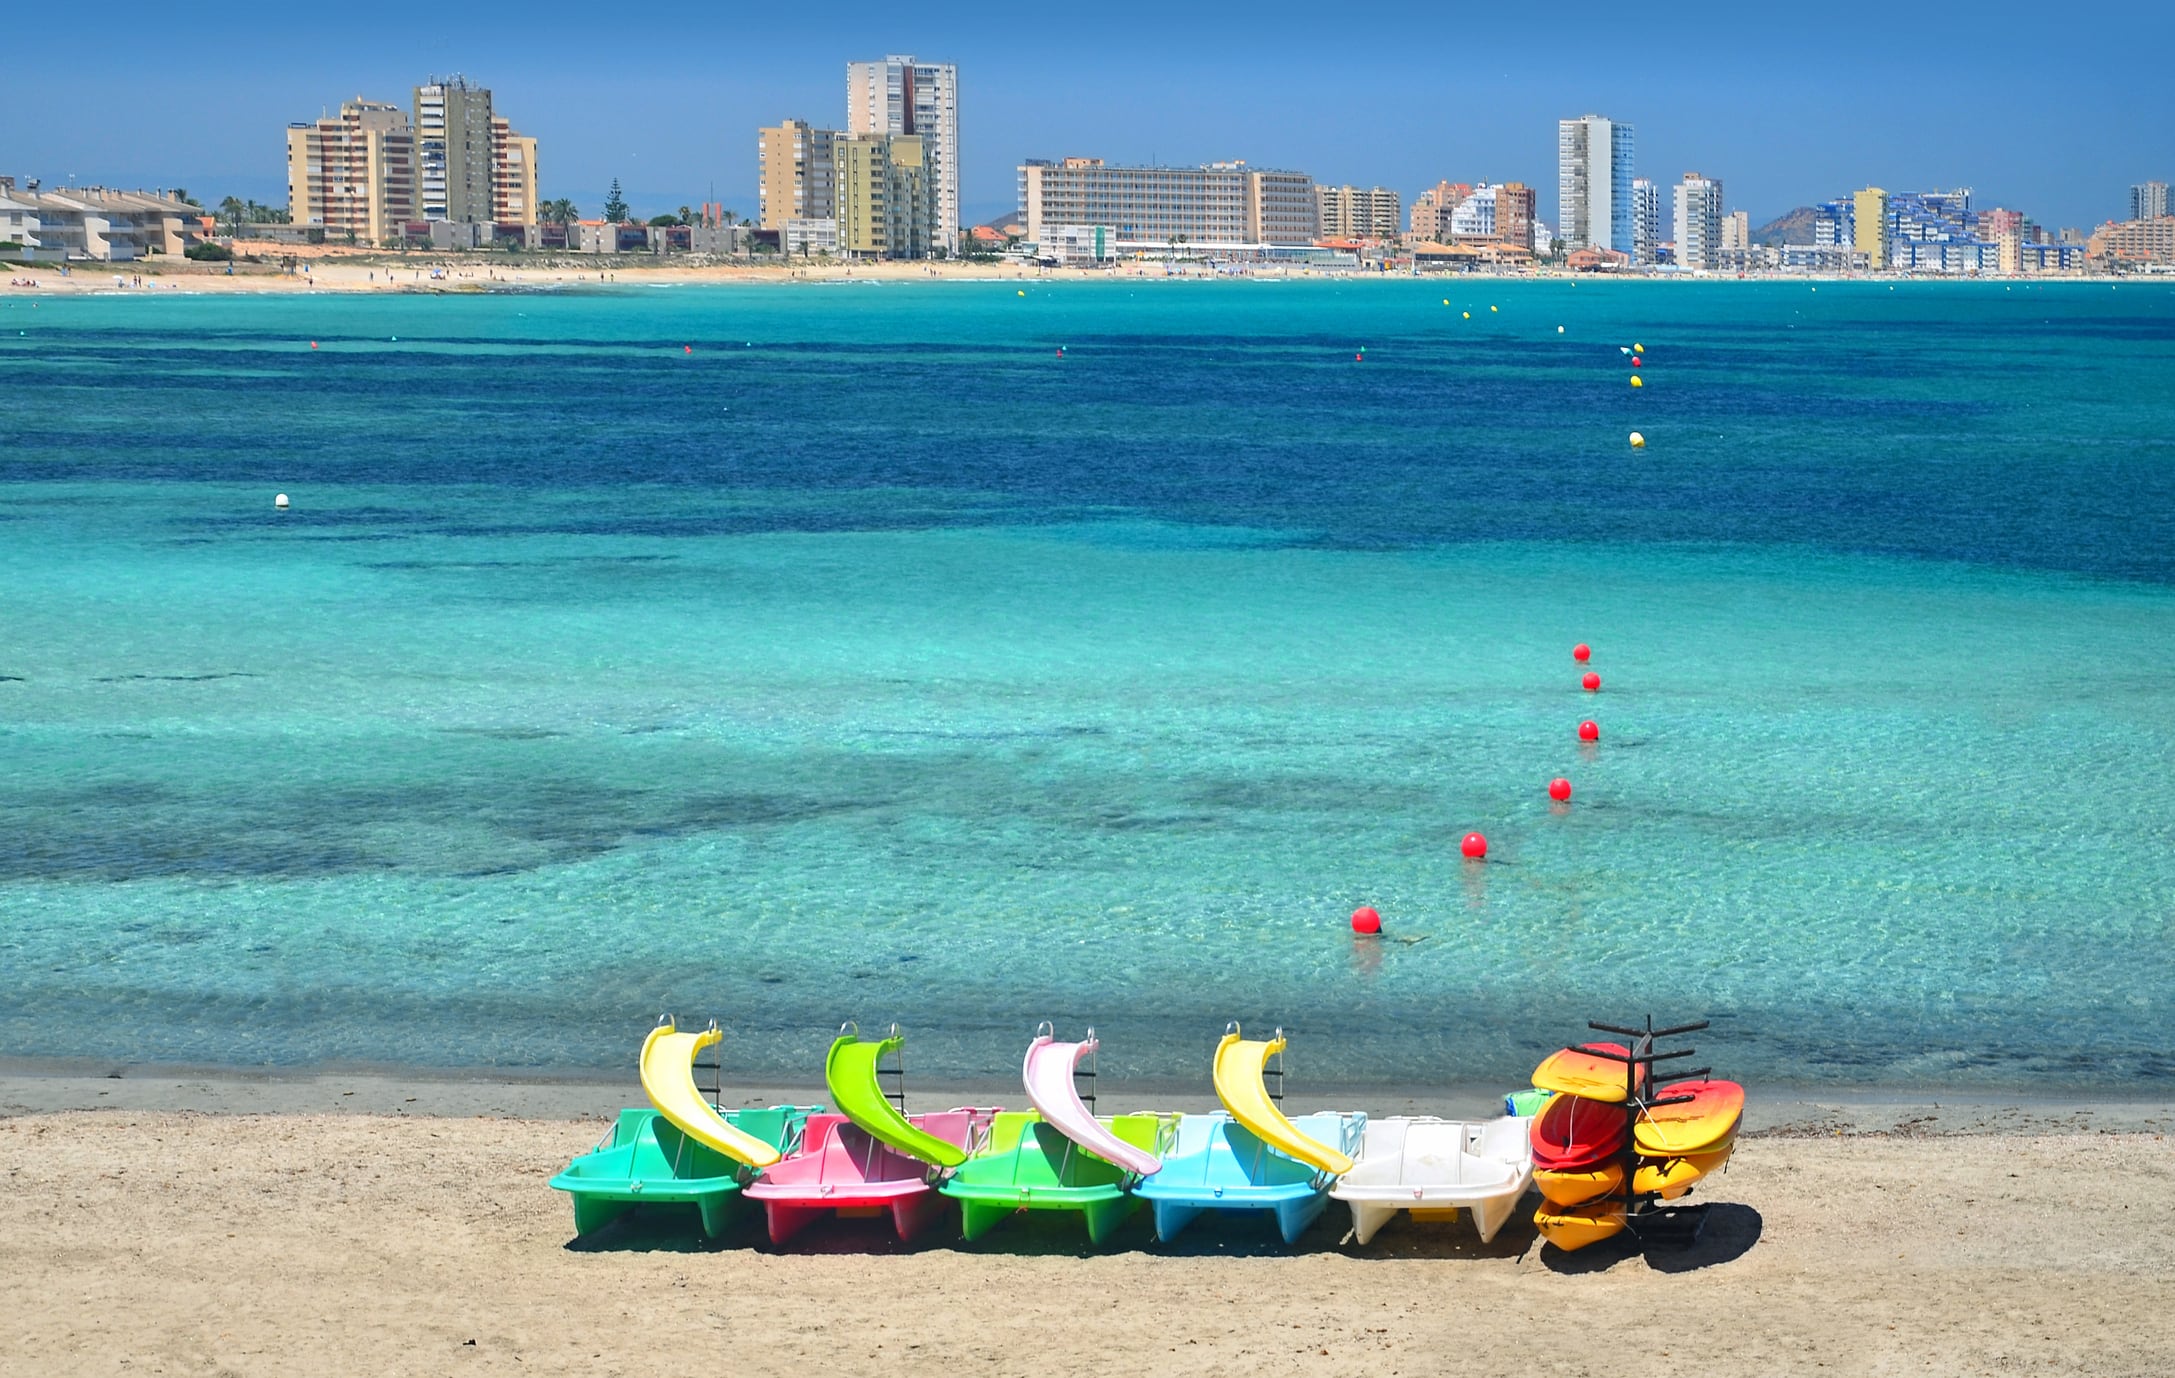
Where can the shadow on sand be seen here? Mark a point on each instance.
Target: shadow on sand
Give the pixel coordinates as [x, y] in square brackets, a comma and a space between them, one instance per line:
[1730, 1232]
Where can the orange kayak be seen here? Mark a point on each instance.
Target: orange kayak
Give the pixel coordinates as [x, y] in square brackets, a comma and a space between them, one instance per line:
[1700, 1125]
[1572, 1228]
[1577, 1072]
[1576, 1186]
[1672, 1177]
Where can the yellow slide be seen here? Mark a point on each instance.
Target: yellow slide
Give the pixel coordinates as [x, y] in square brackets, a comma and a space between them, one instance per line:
[1239, 1065]
[668, 1078]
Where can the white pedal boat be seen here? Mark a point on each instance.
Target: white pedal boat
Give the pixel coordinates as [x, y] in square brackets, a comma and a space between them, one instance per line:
[1436, 1168]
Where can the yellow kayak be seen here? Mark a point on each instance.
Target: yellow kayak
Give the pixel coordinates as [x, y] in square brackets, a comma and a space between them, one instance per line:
[1570, 1228]
[1579, 1185]
[1576, 1072]
[1701, 1125]
[1672, 1177]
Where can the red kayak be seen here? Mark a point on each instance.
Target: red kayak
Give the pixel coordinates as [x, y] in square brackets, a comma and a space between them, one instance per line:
[1572, 1133]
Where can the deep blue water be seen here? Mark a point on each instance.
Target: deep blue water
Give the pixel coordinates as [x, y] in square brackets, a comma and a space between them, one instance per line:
[873, 660]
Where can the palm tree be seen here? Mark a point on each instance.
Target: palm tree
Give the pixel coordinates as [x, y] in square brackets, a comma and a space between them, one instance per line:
[232, 211]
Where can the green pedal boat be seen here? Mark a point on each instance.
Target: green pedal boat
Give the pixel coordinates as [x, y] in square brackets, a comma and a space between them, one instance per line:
[1059, 1156]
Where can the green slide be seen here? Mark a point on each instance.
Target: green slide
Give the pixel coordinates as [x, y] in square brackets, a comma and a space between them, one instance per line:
[850, 1070]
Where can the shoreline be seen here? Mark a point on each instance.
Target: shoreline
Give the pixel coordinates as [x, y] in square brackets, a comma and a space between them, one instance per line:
[37, 1087]
[368, 272]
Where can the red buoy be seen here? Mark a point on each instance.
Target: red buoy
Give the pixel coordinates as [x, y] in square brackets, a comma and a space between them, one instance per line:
[1592, 682]
[1366, 920]
[1582, 653]
[1634, 361]
[1559, 789]
[1589, 731]
[313, 344]
[1474, 846]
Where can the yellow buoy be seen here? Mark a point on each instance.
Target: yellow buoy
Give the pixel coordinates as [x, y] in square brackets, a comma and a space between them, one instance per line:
[1446, 301]
[1637, 382]
[1638, 442]
[1023, 291]
[1468, 315]
[1637, 348]
[1491, 308]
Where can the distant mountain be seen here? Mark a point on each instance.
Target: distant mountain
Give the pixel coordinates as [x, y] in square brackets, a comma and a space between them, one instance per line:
[1791, 227]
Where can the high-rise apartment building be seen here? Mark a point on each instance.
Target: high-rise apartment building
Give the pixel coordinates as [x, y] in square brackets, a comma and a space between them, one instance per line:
[1645, 220]
[513, 175]
[1737, 230]
[883, 203]
[353, 174]
[901, 96]
[796, 174]
[453, 150]
[1350, 212]
[1593, 183]
[1226, 205]
[1869, 219]
[2148, 201]
[1698, 221]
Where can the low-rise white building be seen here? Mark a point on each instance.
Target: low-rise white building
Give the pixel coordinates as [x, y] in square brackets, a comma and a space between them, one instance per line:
[93, 224]
[807, 238]
[1071, 244]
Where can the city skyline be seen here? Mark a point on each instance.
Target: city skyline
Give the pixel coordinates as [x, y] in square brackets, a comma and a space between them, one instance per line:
[1785, 118]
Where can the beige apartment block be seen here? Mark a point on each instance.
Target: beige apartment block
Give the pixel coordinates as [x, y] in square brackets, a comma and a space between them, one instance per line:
[1432, 209]
[885, 206]
[2133, 242]
[514, 195]
[1516, 209]
[354, 174]
[1350, 212]
[796, 174]
[1870, 234]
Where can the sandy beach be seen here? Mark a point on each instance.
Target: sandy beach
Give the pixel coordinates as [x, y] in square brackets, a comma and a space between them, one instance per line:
[335, 269]
[377, 1237]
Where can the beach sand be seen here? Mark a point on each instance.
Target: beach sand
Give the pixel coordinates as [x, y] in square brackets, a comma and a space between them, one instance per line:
[324, 1240]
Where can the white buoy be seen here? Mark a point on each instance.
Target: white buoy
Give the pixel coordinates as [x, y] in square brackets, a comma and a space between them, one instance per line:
[279, 500]
[1638, 442]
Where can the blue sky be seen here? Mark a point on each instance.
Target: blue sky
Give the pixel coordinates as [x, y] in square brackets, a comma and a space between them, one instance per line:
[2033, 110]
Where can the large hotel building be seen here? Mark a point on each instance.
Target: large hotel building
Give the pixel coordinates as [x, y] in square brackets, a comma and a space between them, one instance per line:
[1227, 206]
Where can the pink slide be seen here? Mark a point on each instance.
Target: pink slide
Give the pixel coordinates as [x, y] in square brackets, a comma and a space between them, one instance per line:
[1050, 1089]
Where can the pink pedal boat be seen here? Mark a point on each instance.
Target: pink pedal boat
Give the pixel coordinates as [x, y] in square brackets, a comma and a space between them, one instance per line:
[871, 1158]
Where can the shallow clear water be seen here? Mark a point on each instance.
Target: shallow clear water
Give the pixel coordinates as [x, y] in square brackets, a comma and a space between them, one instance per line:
[873, 661]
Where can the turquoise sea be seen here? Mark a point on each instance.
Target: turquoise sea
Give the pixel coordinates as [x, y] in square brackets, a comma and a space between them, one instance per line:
[787, 655]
